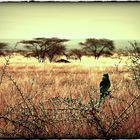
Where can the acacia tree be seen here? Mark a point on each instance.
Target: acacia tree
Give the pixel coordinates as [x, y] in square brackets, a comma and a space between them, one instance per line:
[2, 46]
[28, 54]
[57, 49]
[98, 47]
[44, 47]
[77, 52]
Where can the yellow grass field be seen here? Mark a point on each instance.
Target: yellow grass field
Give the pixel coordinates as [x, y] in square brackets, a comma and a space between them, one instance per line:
[76, 80]
[102, 63]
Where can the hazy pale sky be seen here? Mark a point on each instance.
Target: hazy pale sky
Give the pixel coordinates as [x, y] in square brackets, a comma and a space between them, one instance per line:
[70, 20]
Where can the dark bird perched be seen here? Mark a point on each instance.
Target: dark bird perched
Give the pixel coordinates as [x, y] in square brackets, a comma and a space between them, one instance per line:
[104, 87]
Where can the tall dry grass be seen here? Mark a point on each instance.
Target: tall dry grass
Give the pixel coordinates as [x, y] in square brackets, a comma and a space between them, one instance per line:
[58, 101]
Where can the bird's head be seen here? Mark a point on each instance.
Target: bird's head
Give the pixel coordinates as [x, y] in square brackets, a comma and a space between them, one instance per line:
[105, 75]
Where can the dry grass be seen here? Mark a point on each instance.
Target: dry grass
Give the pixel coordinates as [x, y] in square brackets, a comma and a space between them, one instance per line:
[43, 82]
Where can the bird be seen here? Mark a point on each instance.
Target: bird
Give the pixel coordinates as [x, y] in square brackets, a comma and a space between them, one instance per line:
[104, 87]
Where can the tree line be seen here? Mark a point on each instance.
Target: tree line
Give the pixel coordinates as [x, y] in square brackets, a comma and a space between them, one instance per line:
[42, 48]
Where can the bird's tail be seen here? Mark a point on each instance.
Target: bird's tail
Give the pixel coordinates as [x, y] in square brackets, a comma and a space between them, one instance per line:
[100, 100]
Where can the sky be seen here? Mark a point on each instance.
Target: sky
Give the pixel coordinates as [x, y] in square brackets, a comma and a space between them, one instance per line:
[116, 21]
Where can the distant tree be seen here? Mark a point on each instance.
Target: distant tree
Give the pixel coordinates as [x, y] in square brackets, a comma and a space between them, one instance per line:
[107, 53]
[76, 52]
[2, 47]
[29, 54]
[18, 52]
[57, 49]
[98, 47]
[44, 47]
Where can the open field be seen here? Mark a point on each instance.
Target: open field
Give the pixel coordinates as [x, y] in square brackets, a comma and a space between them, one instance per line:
[102, 63]
[27, 85]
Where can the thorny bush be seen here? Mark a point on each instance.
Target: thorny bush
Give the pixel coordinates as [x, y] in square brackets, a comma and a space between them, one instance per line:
[70, 117]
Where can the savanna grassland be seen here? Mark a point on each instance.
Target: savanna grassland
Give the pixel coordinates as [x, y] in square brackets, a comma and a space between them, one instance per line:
[58, 100]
